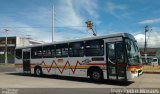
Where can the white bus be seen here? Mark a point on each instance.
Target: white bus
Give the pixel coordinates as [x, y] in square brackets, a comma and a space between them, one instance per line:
[114, 57]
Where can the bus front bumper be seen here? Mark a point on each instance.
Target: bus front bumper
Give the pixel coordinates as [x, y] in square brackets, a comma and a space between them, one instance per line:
[131, 75]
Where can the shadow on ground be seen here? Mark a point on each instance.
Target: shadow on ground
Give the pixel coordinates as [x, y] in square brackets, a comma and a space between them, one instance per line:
[78, 79]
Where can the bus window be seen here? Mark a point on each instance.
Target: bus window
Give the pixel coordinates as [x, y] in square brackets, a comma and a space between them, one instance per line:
[36, 52]
[62, 50]
[119, 55]
[19, 53]
[120, 52]
[76, 49]
[94, 47]
[132, 53]
[111, 53]
[48, 51]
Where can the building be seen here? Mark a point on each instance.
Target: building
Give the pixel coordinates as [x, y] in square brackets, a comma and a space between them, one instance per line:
[12, 43]
[151, 53]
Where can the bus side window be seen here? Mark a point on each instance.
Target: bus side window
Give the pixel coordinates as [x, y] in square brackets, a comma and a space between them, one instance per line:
[76, 49]
[94, 47]
[36, 52]
[48, 51]
[19, 53]
[62, 50]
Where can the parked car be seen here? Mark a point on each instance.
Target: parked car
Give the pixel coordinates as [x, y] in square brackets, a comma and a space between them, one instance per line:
[154, 62]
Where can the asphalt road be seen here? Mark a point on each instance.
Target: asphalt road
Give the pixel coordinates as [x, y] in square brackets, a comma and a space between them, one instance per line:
[14, 80]
[69, 85]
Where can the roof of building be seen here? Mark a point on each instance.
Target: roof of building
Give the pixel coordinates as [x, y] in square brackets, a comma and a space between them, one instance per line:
[8, 37]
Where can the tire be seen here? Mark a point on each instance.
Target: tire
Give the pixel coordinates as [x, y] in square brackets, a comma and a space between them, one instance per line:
[96, 75]
[38, 71]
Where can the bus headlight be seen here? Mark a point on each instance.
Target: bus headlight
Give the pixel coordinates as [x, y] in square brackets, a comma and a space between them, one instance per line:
[134, 72]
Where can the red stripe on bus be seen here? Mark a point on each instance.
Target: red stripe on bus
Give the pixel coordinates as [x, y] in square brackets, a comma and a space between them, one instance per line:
[22, 64]
[138, 66]
[61, 71]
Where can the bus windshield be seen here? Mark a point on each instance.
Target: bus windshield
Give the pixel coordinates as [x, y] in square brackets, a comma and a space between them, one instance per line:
[133, 54]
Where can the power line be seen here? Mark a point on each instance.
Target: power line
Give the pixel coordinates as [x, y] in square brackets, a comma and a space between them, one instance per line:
[45, 27]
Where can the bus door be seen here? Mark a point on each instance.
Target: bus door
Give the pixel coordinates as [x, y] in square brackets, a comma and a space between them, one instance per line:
[26, 61]
[116, 67]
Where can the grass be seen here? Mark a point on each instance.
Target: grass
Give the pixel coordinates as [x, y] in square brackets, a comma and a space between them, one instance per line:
[6, 65]
[149, 67]
[9, 56]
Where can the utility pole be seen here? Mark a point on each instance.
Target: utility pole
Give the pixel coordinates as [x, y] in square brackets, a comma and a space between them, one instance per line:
[53, 23]
[6, 58]
[145, 43]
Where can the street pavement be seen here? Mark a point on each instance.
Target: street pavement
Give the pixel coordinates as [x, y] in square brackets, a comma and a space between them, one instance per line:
[29, 84]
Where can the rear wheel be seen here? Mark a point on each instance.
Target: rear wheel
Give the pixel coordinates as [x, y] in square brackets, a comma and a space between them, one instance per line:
[96, 75]
[38, 71]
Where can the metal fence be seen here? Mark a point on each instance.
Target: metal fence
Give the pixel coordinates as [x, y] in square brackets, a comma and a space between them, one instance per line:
[10, 60]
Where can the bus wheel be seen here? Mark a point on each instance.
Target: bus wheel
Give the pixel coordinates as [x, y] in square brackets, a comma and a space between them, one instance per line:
[38, 71]
[96, 75]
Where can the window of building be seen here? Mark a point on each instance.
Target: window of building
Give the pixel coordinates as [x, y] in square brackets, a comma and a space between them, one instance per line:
[36, 52]
[94, 47]
[62, 50]
[76, 49]
[19, 53]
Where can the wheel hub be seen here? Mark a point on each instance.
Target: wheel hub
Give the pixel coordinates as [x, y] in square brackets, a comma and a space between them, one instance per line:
[96, 75]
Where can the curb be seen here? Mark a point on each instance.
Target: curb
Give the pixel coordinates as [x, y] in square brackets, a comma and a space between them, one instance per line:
[147, 72]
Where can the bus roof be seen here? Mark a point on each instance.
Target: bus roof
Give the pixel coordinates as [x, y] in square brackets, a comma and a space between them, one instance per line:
[83, 39]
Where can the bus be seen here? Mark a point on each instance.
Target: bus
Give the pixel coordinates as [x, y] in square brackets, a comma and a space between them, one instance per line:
[114, 57]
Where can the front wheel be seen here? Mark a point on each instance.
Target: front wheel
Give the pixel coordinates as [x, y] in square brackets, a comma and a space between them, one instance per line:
[38, 71]
[96, 75]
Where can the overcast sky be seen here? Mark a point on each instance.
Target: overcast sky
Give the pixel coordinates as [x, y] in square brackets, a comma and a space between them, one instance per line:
[34, 17]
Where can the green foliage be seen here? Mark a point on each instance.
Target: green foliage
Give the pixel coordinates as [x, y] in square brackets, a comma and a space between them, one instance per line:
[9, 56]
